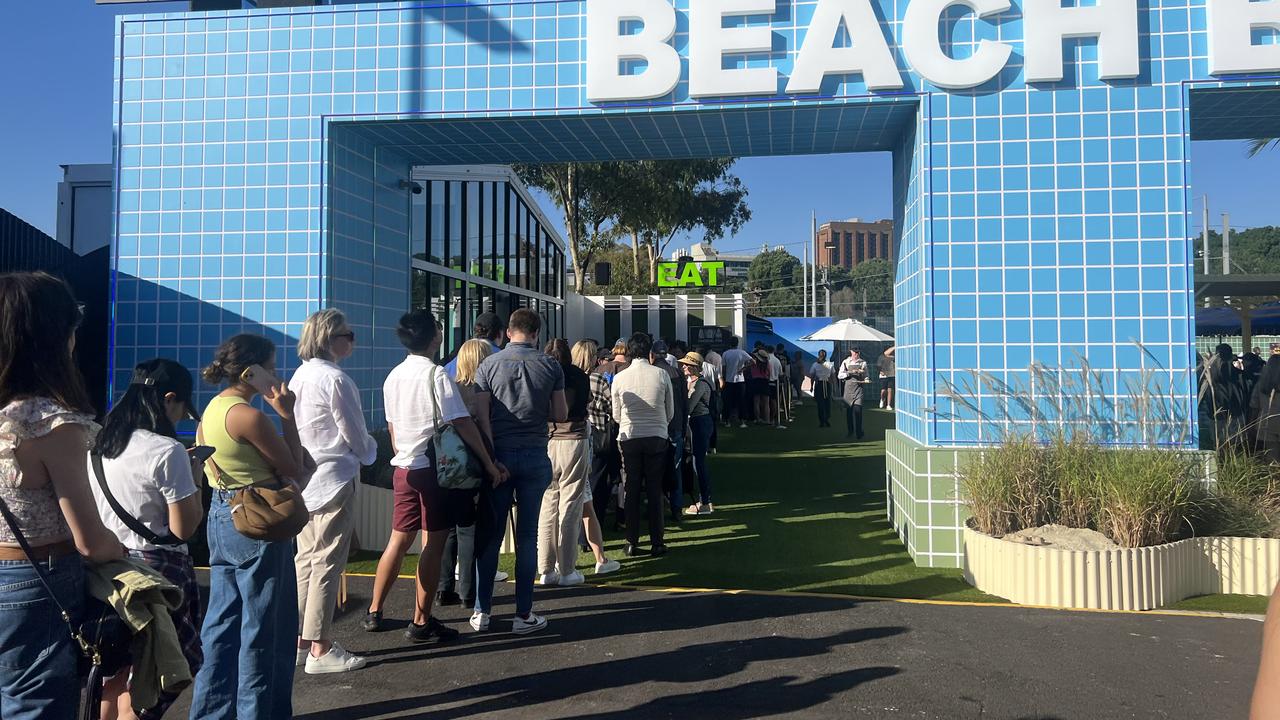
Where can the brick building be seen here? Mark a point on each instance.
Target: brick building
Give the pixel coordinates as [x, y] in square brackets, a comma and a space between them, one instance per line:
[849, 242]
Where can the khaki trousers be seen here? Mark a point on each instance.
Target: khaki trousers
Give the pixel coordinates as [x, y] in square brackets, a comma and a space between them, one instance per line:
[321, 558]
[560, 520]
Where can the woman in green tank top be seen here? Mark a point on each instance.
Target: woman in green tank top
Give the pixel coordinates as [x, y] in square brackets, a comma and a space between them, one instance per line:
[253, 606]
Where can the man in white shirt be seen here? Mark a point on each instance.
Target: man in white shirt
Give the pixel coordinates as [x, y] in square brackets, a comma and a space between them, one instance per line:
[643, 406]
[775, 375]
[714, 358]
[331, 428]
[734, 384]
[418, 397]
[820, 375]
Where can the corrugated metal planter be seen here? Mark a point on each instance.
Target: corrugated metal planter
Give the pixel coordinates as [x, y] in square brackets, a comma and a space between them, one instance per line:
[1121, 578]
[373, 521]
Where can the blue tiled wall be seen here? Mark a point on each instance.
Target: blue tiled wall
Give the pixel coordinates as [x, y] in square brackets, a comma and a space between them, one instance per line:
[1037, 224]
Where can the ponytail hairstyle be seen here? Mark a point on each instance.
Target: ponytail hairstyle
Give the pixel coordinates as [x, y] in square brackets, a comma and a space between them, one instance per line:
[142, 407]
[558, 350]
[38, 317]
[235, 355]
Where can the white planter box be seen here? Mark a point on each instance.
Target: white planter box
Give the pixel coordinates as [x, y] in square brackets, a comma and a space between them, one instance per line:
[1120, 578]
[373, 521]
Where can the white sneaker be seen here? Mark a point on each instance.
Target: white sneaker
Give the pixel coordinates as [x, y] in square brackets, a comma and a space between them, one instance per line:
[551, 578]
[780, 427]
[337, 660]
[882, 405]
[302, 656]
[743, 425]
[524, 626]
[607, 567]
[500, 576]
[479, 621]
[573, 578]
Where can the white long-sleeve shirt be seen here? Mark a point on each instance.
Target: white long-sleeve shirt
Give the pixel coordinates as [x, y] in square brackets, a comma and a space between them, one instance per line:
[331, 427]
[643, 401]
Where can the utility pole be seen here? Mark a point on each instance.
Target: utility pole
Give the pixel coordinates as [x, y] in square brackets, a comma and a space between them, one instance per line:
[826, 287]
[804, 285]
[1226, 243]
[1204, 232]
[813, 286]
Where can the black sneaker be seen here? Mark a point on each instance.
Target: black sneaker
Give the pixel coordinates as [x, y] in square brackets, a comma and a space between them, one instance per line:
[632, 551]
[658, 550]
[447, 597]
[373, 621]
[434, 632]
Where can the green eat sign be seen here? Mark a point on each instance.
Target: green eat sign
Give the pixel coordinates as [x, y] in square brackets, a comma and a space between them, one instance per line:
[670, 275]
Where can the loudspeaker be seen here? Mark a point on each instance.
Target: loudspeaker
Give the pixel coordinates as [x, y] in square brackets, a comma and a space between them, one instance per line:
[603, 273]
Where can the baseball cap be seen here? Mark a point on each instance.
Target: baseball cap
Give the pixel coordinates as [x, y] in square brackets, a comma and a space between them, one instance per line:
[167, 376]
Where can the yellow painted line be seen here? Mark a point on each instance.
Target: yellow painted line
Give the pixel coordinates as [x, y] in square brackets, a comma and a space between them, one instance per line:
[874, 598]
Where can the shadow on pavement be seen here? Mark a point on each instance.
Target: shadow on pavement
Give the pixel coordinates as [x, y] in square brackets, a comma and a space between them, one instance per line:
[690, 664]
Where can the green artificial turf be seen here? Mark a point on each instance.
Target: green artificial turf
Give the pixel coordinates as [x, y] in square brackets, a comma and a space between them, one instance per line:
[797, 509]
[1243, 604]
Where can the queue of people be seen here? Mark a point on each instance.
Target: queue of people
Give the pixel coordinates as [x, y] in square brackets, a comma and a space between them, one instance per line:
[1239, 398]
[558, 430]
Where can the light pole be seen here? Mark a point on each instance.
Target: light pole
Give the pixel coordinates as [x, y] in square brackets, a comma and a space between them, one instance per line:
[830, 246]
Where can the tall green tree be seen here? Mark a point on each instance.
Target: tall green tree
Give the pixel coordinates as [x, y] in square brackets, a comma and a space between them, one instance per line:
[589, 195]
[623, 280]
[864, 291]
[1253, 250]
[774, 284]
[666, 198]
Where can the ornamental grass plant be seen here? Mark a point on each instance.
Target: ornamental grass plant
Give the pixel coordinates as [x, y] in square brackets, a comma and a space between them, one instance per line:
[1064, 446]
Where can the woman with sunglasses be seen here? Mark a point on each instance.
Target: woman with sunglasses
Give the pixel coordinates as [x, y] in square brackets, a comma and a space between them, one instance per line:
[45, 426]
[331, 425]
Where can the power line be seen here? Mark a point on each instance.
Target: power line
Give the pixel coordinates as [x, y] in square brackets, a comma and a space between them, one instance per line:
[831, 282]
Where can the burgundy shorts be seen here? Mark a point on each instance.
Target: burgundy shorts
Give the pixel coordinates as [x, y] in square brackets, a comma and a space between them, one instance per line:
[421, 504]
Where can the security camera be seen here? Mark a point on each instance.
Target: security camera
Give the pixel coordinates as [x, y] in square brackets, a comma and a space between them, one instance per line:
[410, 185]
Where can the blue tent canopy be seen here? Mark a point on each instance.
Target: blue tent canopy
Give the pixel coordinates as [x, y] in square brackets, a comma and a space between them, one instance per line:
[1226, 321]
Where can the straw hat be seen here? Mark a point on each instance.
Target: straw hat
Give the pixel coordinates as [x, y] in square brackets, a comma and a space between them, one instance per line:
[691, 359]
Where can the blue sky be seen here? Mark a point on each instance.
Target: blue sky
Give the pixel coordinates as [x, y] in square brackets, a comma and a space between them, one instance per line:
[57, 91]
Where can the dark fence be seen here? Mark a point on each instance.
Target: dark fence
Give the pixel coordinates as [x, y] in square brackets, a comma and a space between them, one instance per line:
[24, 248]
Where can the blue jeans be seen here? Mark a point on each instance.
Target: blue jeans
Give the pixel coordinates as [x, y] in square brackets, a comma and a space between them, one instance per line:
[251, 626]
[530, 475]
[702, 427]
[38, 679]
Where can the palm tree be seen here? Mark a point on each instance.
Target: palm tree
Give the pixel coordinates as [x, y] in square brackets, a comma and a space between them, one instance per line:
[1257, 145]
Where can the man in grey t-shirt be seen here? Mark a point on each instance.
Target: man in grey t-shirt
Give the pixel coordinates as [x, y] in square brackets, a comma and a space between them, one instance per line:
[518, 391]
[888, 372]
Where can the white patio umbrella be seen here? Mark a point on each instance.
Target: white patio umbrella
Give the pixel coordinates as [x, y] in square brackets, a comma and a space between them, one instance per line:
[849, 331]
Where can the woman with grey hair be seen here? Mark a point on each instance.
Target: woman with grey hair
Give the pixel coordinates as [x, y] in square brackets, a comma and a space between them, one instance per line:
[332, 428]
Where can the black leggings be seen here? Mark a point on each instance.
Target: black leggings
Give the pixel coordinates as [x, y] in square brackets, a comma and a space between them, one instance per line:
[822, 397]
[853, 418]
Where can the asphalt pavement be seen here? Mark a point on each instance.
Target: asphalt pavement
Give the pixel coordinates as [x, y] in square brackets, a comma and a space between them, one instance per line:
[615, 653]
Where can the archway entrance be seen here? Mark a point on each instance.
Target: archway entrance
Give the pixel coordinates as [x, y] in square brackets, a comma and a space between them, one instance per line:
[1040, 204]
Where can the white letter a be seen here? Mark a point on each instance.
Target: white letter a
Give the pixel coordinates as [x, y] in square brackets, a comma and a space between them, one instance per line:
[869, 55]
